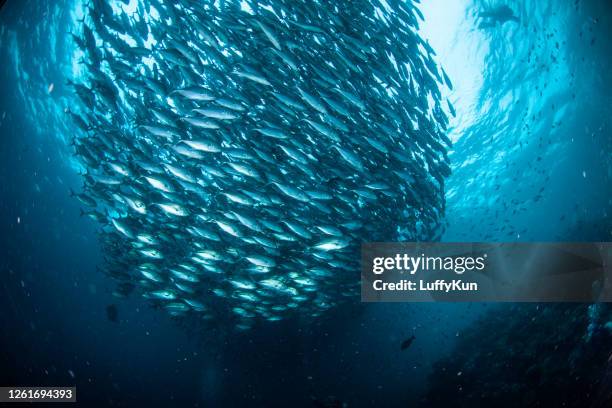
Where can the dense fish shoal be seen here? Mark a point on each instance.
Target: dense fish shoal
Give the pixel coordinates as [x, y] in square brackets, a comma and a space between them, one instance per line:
[237, 154]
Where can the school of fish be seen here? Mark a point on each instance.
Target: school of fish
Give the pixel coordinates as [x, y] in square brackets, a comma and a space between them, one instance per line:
[237, 153]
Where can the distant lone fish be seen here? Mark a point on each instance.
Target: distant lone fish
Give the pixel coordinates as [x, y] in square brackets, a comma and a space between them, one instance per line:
[498, 15]
[408, 342]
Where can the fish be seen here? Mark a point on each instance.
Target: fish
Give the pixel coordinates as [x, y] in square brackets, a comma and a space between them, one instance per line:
[497, 15]
[236, 155]
[112, 313]
[407, 343]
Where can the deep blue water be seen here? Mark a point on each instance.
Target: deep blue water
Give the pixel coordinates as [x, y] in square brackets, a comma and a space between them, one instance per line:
[531, 162]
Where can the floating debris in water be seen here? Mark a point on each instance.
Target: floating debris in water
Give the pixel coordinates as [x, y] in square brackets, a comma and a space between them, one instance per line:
[238, 154]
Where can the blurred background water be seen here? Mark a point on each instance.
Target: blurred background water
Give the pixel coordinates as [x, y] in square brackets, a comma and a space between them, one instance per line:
[531, 162]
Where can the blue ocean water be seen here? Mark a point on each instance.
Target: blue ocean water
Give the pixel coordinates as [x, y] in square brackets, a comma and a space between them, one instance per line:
[530, 162]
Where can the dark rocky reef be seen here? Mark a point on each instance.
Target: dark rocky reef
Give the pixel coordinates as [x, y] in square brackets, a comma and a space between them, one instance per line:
[529, 355]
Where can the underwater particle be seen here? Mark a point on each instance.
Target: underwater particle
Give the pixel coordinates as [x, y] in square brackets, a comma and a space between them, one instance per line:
[71, 373]
[51, 87]
[583, 173]
[18, 220]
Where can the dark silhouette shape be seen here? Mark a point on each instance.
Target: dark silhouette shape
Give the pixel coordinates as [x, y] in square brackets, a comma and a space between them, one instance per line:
[497, 15]
[408, 342]
[329, 402]
[112, 313]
